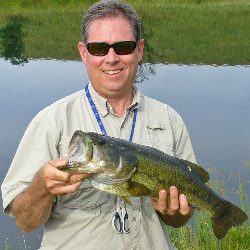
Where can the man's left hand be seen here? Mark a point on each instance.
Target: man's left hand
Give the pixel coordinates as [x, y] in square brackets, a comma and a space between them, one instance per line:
[174, 210]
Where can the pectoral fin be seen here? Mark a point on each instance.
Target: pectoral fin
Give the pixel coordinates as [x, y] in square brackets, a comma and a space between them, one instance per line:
[127, 200]
[119, 189]
[138, 189]
[125, 189]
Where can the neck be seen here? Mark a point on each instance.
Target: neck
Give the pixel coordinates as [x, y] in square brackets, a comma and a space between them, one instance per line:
[120, 100]
[120, 104]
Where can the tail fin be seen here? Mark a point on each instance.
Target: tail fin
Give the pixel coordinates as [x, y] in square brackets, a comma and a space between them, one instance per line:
[230, 216]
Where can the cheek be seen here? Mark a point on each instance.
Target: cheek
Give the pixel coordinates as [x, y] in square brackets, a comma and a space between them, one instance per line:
[94, 62]
[133, 64]
[130, 61]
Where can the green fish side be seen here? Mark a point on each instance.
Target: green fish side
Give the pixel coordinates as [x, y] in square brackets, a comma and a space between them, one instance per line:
[128, 169]
[157, 170]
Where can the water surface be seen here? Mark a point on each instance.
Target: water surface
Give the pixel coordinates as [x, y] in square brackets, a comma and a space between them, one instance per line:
[213, 101]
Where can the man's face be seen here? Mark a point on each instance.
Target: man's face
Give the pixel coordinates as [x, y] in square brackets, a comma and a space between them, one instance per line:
[111, 75]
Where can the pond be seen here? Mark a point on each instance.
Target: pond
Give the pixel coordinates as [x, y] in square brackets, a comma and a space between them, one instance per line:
[213, 101]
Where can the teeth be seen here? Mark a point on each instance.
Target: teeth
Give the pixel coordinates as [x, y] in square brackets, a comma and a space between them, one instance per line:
[112, 72]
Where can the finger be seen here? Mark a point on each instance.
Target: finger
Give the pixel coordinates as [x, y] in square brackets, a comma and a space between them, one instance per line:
[185, 209]
[50, 172]
[59, 175]
[155, 203]
[61, 190]
[81, 176]
[174, 200]
[59, 162]
[162, 202]
[52, 184]
[78, 177]
[52, 181]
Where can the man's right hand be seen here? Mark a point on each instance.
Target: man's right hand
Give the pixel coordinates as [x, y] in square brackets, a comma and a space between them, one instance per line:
[33, 206]
[57, 182]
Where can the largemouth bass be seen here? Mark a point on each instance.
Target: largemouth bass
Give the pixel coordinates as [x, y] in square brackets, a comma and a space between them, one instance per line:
[128, 169]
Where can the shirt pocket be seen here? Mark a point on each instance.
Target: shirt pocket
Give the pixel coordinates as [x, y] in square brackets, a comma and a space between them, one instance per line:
[86, 198]
[159, 137]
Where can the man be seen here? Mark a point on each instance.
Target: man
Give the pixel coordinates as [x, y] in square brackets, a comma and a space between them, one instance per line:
[75, 215]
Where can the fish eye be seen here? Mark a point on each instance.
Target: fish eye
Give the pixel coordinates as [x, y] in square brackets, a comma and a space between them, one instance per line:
[101, 141]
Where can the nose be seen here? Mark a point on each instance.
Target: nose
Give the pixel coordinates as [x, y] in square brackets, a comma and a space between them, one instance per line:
[112, 57]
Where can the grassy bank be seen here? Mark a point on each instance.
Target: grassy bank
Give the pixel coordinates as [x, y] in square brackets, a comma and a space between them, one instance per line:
[198, 233]
[177, 31]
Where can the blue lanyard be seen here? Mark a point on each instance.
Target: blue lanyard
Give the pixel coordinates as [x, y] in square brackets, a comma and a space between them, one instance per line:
[98, 118]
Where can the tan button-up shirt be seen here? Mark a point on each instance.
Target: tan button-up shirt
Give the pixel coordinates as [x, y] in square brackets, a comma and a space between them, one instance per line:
[83, 220]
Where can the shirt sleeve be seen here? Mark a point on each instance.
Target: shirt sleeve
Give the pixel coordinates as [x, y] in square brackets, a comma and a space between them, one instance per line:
[183, 148]
[37, 146]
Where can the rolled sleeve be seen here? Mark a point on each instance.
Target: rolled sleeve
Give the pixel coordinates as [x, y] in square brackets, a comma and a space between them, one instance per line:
[36, 148]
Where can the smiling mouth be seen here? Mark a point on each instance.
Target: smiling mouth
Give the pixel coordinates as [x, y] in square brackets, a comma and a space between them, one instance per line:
[112, 72]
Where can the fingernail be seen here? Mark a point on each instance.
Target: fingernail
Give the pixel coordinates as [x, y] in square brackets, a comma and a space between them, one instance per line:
[163, 192]
[182, 196]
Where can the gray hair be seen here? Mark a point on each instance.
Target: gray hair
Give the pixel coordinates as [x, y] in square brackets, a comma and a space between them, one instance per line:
[111, 8]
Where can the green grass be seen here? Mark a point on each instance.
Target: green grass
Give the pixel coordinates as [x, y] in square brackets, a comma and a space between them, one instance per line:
[177, 31]
[198, 233]
[202, 237]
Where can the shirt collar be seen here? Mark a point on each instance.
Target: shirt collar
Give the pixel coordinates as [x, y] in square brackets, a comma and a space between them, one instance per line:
[102, 104]
[136, 98]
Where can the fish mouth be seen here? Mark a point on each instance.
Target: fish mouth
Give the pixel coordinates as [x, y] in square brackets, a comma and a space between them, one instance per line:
[83, 154]
[80, 154]
[81, 168]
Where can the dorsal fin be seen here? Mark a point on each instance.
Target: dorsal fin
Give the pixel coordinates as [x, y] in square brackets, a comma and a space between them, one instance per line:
[199, 171]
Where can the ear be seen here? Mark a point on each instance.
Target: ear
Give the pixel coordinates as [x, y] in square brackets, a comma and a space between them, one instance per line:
[140, 49]
[82, 51]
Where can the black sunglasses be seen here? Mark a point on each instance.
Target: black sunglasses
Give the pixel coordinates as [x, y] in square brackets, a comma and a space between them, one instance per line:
[120, 48]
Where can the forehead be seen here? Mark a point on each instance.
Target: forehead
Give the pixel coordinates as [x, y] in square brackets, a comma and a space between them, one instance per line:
[110, 29]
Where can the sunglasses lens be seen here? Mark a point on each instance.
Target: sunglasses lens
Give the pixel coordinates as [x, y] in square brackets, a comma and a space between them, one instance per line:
[98, 49]
[124, 48]
[102, 49]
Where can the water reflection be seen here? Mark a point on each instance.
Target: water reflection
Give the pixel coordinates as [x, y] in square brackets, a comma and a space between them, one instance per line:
[12, 41]
[145, 70]
[147, 67]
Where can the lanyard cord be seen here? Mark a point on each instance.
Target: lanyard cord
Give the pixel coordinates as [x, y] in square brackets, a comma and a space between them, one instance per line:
[120, 219]
[98, 118]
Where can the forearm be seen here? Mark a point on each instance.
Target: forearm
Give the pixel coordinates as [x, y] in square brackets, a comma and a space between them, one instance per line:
[32, 207]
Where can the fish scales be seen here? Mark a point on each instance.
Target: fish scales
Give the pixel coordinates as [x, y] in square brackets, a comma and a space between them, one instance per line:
[128, 169]
[170, 171]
